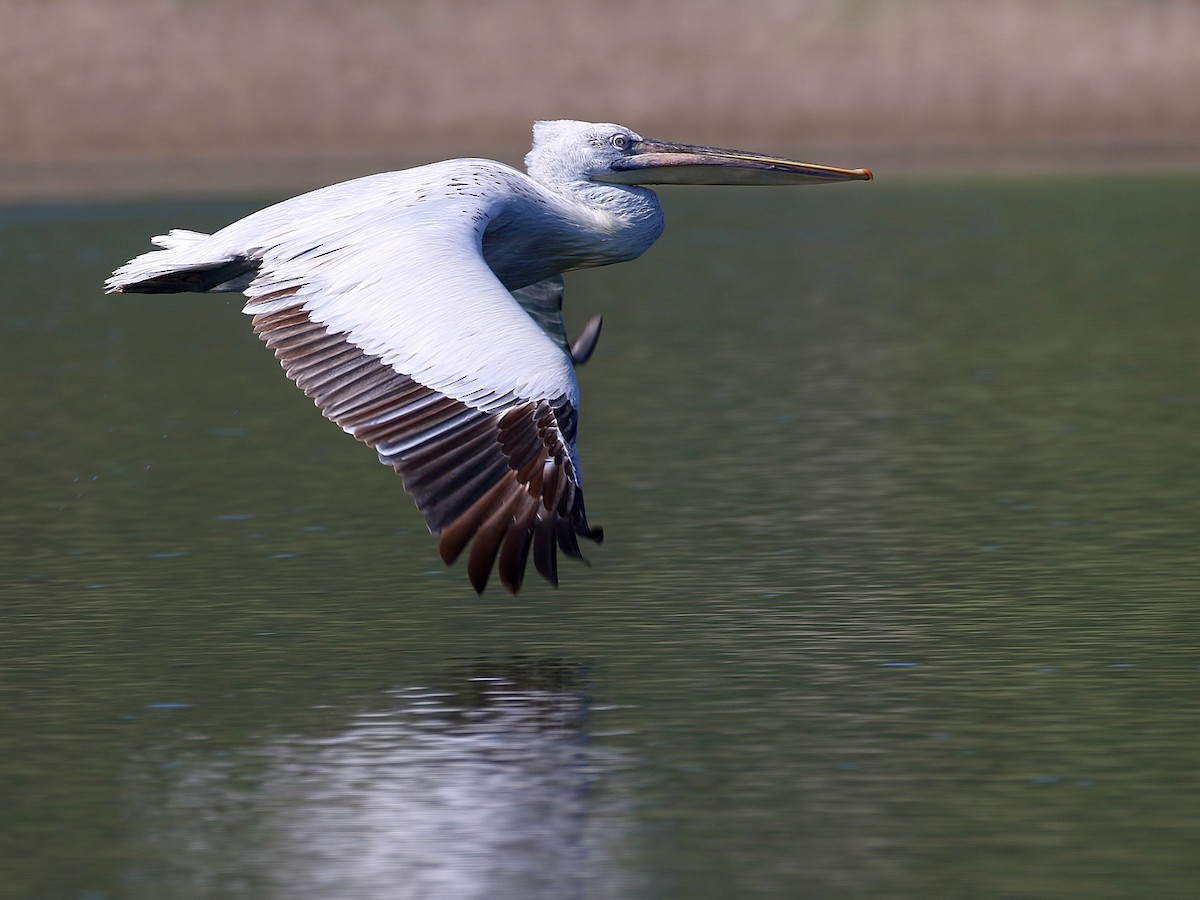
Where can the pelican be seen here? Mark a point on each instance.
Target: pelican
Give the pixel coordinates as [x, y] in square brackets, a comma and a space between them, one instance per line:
[421, 310]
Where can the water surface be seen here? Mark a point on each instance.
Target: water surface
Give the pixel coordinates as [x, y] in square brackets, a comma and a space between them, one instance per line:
[901, 490]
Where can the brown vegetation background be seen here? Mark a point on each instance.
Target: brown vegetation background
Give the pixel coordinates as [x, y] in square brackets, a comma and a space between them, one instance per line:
[120, 96]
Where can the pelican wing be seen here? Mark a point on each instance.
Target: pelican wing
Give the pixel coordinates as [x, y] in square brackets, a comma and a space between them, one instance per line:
[409, 342]
[543, 302]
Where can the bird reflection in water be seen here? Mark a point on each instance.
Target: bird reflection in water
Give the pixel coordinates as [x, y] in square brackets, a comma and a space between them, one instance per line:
[484, 784]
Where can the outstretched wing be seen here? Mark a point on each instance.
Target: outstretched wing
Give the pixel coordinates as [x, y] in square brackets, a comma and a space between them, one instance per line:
[543, 302]
[405, 338]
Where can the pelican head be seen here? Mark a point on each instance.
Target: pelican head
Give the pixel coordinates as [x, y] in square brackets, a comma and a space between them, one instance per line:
[614, 154]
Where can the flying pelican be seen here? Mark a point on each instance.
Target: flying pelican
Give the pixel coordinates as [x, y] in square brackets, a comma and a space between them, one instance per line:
[421, 310]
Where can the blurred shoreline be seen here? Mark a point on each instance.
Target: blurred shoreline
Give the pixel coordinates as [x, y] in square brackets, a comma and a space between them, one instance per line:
[142, 98]
[169, 177]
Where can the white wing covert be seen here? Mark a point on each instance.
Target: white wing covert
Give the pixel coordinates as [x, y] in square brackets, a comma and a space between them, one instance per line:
[404, 337]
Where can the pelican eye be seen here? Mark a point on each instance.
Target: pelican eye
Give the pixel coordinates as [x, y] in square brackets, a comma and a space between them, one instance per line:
[620, 141]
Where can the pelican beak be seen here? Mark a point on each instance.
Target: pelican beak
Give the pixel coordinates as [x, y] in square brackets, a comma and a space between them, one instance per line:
[660, 162]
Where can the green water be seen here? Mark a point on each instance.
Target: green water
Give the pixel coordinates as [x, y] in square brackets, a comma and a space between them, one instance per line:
[899, 596]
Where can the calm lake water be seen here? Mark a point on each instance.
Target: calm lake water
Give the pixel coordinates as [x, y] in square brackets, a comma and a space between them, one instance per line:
[900, 595]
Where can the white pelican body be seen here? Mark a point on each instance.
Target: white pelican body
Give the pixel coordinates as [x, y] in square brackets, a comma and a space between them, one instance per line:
[421, 310]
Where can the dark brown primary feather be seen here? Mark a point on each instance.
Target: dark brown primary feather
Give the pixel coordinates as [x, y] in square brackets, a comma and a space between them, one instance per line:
[503, 479]
[200, 278]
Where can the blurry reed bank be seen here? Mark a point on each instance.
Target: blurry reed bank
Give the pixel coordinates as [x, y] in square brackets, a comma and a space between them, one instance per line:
[109, 92]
